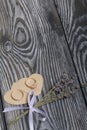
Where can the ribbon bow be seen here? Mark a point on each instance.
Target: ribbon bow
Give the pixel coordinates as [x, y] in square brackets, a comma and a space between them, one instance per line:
[31, 110]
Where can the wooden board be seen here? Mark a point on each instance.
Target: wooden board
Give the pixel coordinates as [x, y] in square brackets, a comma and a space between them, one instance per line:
[73, 16]
[32, 40]
[2, 116]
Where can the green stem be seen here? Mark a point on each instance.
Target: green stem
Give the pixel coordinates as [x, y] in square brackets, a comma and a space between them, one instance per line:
[49, 93]
[46, 96]
[19, 117]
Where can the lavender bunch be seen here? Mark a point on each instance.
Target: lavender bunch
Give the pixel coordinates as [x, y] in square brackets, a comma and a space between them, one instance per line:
[63, 83]
[59, 91]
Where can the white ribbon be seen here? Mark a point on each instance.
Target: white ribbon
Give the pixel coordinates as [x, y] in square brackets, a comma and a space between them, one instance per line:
[31, 110]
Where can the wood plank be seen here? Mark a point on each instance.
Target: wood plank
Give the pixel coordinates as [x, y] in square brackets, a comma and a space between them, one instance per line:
[73, 15]
[32, 40]
[2, 117]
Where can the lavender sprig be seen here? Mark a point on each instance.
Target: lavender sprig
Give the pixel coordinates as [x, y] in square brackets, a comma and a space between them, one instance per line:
[59, 91]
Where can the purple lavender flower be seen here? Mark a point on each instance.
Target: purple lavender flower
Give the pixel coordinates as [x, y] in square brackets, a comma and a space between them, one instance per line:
[63, 82]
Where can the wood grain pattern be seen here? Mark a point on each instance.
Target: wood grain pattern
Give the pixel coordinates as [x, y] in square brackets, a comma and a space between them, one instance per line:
[32, 40]
[2, 117]
[73, 15]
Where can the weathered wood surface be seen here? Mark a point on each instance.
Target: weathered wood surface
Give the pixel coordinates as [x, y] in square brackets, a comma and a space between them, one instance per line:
[2, 117]
[32, 40]
[73, 14]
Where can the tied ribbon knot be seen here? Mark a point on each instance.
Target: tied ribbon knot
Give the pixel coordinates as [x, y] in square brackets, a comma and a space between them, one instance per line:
[31, 110]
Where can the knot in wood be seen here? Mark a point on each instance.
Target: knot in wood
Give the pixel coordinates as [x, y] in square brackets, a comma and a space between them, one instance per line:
[8, 46]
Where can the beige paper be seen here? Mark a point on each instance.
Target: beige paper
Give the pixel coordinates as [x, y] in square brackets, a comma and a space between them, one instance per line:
[33, 83]
[20, 89]
[15, 97]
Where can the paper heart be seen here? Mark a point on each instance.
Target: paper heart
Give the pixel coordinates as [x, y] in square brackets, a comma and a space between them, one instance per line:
[20, 89]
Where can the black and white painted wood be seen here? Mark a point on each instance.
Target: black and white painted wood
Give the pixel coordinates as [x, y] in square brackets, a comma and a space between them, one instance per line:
[73, 14]
[32, 40]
